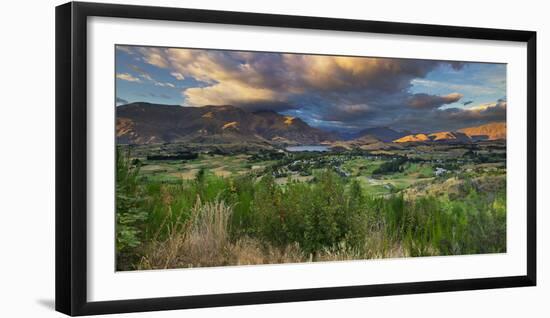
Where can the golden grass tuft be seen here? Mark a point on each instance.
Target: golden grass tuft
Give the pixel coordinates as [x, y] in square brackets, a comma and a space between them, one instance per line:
[203, 241]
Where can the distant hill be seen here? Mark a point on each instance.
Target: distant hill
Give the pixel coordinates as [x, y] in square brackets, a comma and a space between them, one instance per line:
[413, 138]
[145, 123]
[491, 131]
[384, 134]
[449, 136]
[442, 136]
[366, 142]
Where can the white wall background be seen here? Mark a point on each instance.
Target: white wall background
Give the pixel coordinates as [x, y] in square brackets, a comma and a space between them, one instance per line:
[27, 158]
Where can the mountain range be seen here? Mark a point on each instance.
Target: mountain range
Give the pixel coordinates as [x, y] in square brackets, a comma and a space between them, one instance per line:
[438, 136]
[384, 134]
[145, 123]
[490, 131]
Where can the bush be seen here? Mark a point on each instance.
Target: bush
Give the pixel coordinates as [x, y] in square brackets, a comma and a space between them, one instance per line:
[394, 165]
[129, 212]
[318, 216]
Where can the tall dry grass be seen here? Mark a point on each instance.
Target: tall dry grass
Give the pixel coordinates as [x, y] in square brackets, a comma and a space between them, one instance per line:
[204, 241]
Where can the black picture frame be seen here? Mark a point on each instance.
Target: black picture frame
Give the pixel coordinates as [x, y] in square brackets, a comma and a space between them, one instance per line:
[71, 157]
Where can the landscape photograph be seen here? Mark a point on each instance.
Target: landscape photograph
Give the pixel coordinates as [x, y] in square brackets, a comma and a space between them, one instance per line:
[234, 158]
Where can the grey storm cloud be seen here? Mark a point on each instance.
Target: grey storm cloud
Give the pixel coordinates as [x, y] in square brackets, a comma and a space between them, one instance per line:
[453, 118]
[331, 90]
[426, 101]
[248, 78]
[488, 112]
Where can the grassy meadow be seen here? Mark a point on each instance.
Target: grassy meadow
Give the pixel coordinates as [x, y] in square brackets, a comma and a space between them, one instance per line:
[265, 207]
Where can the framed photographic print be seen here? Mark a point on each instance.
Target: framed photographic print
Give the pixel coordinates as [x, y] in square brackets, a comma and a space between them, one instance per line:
[208, 158]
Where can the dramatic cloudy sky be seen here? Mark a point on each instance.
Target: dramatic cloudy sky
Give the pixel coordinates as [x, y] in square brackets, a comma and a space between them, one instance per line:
[329, 92]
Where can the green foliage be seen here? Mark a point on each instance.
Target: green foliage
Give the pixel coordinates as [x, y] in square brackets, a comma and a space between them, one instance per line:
[317, 216]
[331, 213]
[434, 226]
[391, 166]
[129, 212]
[241, 194]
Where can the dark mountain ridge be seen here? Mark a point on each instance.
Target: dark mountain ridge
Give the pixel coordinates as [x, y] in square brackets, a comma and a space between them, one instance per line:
[384, 134]
[145, 123]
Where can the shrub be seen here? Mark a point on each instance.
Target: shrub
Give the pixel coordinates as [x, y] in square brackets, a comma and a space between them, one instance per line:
[129, 213]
